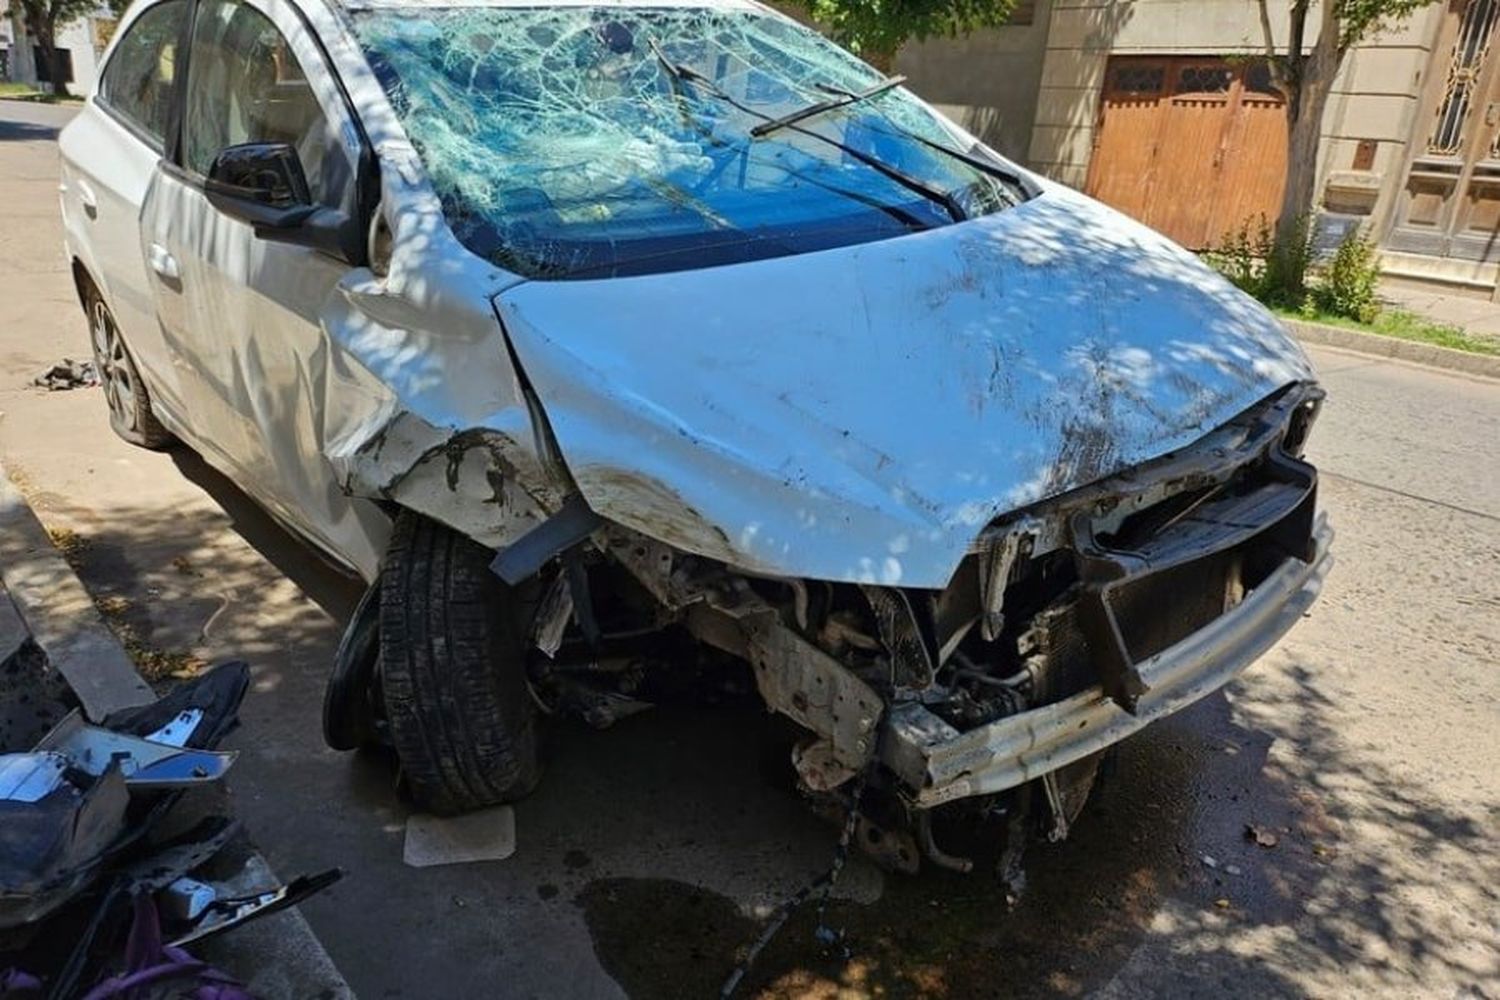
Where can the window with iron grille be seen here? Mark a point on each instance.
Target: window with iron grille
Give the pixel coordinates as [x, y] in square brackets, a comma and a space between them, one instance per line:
[1475, 33]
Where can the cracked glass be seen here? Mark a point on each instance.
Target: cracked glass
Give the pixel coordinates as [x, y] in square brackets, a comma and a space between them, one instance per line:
[589, 141]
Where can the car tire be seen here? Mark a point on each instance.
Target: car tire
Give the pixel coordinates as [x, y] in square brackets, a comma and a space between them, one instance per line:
[453, 672]
[350, 706]
[130, 413]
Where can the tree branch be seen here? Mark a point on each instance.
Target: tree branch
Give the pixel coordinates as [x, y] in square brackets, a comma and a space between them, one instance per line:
[1265, 29]
[1297, 15]
[1273, 62]
[1334, 24]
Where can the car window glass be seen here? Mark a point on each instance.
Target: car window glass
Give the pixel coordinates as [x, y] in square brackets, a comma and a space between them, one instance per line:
[137, 83]
[586, 139]
[245, 85]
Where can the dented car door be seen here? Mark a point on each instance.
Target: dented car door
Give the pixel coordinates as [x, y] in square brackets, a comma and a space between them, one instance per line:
[251, 333]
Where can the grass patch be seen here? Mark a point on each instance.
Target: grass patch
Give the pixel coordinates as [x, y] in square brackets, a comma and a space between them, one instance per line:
[12, 91]
[1404, 326]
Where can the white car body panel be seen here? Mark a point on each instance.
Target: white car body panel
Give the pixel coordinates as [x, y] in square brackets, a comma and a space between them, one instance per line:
[107, 174]
[853, 414]
[862, 413]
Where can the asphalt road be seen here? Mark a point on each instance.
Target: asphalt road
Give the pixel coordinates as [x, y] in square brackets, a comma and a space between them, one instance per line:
[1368, 743]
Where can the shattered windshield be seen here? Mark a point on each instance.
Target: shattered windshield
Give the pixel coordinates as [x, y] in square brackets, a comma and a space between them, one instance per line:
[587, 141]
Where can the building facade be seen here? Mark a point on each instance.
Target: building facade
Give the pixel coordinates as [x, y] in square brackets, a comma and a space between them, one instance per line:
[82, 41]
[1164, 109]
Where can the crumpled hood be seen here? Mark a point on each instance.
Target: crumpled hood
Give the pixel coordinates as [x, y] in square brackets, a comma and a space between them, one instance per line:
[862, 413]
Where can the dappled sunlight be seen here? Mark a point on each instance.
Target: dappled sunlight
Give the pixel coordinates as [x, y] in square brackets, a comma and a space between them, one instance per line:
[912, 388]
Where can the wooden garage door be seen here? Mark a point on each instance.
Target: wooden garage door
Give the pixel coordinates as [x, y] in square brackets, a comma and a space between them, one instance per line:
[1191, 146]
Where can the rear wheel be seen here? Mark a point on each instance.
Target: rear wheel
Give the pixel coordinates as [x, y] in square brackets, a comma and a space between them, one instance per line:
[129, 404]
[453, 672]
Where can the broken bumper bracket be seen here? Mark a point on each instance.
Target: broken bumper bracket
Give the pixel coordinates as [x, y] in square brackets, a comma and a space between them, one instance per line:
[939, 764]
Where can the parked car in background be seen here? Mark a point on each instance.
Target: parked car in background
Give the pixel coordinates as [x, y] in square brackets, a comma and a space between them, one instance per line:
[610, 341]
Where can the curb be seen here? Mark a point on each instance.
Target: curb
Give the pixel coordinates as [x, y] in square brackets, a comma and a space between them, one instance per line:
[1482, 365]
[277, 957]
[60, 614]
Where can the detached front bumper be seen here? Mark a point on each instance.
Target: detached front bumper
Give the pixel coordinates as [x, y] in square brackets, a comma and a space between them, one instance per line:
[938, 764]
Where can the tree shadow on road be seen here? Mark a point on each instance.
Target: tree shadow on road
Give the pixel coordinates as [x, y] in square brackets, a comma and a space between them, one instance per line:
[1157, 891]
[18, 131]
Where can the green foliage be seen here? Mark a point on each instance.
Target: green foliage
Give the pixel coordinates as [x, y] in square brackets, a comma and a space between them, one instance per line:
[1277, 271]
[1270, 269]
[1405, 326]
[1349, 282]
[875, 29]
[1358, 19]
[48, 17]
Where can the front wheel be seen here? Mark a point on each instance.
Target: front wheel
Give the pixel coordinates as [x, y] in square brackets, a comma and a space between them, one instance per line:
[130, 412]
[453, 672]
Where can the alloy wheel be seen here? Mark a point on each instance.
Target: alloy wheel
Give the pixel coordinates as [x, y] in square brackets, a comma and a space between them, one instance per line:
[116, 375]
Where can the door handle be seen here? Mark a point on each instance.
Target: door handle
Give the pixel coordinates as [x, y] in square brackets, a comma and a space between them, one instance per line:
[164, 264]
[87, 200]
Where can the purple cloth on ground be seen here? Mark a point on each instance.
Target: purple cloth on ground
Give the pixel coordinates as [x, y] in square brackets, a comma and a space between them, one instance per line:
[18, 985]
[149, 962]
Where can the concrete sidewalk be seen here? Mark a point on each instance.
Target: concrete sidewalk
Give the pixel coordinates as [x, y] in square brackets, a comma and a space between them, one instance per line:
[41, 599]
[1474, 313]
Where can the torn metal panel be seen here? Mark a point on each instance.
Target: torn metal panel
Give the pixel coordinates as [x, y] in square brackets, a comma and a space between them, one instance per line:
[179, 730]
[800, 680]
[27, 777]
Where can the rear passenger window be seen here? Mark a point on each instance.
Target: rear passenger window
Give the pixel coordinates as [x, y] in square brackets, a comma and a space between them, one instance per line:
[137, 83]
[245, 85]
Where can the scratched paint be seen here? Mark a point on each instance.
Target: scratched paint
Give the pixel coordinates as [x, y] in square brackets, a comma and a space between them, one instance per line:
[855, 413]
[861, 413]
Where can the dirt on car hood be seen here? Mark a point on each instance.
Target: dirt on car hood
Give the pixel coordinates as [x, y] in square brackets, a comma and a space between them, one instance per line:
[862, 413]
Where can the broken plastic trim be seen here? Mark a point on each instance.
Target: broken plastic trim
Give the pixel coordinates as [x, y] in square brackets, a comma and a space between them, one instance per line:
[525, 557]
[225, 914]
[142, 763]
[941, 764]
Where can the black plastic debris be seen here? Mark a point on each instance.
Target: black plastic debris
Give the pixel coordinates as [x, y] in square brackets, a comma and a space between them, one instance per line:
[68, 374]
[109, 838]
[56, 825]
[216, 695]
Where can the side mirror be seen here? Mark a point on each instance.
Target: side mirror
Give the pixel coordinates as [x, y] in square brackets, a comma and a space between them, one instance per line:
[263, 183]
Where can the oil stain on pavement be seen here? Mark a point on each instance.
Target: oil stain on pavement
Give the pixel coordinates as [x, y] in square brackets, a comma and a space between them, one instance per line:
[1191, 787]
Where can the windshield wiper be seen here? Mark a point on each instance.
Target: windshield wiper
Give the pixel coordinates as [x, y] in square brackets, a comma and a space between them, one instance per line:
[977, 162]
[843, 100]
[938, 196]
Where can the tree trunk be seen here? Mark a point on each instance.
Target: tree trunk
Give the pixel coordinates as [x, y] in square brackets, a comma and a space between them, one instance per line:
[1304, 129]
[1307, 97]
[57, 68]
[40, 27]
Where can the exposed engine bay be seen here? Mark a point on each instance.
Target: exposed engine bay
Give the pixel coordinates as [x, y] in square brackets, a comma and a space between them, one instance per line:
[1068, 626]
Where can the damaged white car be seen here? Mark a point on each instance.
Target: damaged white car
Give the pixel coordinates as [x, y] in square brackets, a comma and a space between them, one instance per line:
[612, 339]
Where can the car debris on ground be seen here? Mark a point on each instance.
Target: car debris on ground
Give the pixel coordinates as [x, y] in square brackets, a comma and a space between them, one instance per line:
[68, 374]
[108, 835]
